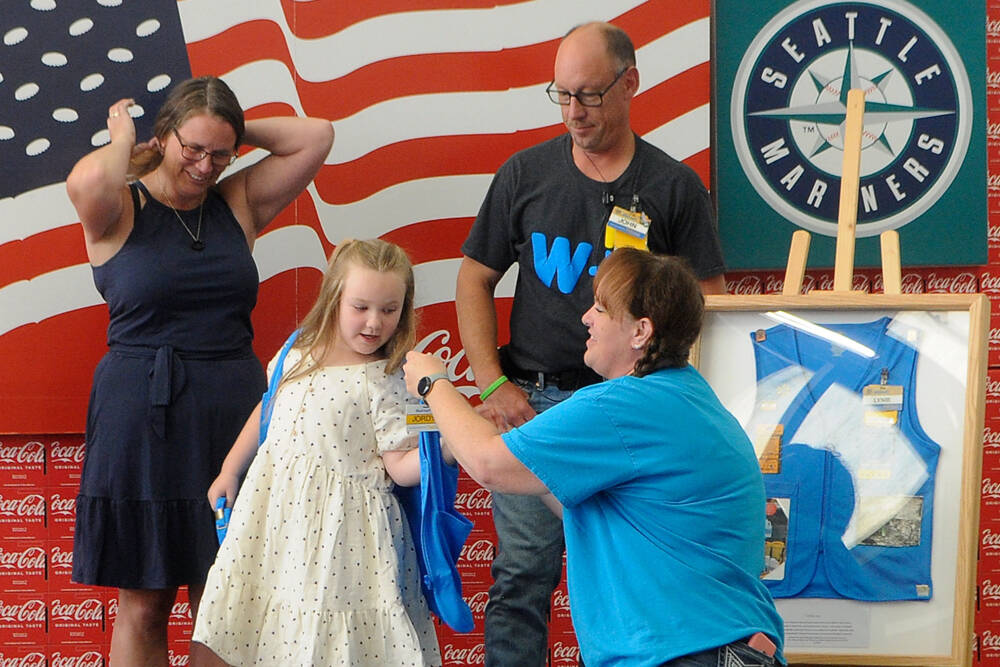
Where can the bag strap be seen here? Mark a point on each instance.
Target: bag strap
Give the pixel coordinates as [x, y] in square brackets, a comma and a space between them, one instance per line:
[267, 400]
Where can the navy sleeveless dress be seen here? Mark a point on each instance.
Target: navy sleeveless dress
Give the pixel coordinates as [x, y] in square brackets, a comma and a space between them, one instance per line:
[169, 398]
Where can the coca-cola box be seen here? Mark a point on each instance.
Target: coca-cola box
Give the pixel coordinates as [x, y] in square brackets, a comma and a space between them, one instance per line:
[76, 618]
[476, 595]
[742, 283]
[988, 650]
[22, 514]
[23, 619]
[177, 656]
[60, 561]
[61, 513]
[463, 650]
[475, 560]
[23, 656]
[65, 461]
[476, 504]
[989, 548]
[23, 566]
[950, 281]
[180, 623]
[563, 648]
[22, 462]
[77, 655]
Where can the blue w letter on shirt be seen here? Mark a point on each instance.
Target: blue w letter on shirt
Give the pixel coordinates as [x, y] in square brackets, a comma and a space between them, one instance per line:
[557, 263]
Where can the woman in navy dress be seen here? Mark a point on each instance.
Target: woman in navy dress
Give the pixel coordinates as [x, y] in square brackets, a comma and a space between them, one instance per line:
[170, 240]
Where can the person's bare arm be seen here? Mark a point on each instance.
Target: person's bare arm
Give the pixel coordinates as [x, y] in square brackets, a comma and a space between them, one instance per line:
[714, 285]
[472, 438]
[297, 146]
[477, 326]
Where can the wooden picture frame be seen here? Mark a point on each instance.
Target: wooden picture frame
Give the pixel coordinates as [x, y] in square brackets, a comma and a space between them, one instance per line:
[949, 333]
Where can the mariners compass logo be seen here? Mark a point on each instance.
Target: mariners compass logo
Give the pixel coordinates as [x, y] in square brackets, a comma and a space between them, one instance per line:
[789, 101]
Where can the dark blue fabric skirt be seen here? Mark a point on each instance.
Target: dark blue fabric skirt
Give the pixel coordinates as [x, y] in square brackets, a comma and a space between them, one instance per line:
[159, 425]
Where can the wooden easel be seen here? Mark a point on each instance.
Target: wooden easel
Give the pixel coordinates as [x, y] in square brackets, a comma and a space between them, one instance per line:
[847, 218]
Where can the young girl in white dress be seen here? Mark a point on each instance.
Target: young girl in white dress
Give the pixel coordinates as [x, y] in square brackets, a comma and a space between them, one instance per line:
[318, 566]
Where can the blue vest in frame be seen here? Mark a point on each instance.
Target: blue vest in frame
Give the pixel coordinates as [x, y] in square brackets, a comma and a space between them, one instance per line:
[853, 469]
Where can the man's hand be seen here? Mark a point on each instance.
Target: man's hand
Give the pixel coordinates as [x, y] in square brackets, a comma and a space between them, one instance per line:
[511, 404]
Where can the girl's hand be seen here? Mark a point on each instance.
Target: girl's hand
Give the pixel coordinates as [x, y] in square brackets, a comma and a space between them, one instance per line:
[225, 485]
[419, 365]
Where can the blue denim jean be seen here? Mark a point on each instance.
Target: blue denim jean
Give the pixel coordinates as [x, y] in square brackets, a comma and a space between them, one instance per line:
[526, 569]
[736, 654]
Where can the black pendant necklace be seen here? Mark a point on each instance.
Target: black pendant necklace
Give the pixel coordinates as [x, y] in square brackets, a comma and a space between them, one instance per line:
[196, 242]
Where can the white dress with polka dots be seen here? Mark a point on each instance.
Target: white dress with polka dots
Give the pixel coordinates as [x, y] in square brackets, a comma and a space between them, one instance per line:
[318, 566]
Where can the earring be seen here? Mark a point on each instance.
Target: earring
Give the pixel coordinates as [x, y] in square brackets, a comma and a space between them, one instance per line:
[637, 347]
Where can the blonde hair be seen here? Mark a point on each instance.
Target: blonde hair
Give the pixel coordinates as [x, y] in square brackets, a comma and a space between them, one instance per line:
[319, 328]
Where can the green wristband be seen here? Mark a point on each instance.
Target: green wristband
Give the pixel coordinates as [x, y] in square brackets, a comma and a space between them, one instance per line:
[483, 395]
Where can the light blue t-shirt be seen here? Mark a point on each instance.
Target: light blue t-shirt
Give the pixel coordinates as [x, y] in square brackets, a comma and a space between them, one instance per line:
[664, 517]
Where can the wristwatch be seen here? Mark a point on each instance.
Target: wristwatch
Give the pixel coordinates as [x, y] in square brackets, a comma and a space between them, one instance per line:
[425, 383]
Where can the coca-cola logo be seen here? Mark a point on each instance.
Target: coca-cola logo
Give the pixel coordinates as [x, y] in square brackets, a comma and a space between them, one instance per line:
[989, 641]
[475, 500]
[175, 659]
[992, 79]
[61, 559]
[560, 600]
[31, 558]
[962, 283]
[989, 283]
[745, 285]
[452, 360]
[774, 284]
[989, 591]
[63, 454]
[480, 551]
[464, 655]
[990, 488]
[181, 611]
[112, 608]
[477, 602]
[824, 282]
[29, 611]
[60, 506]
[992, 182]
[33, 659]
[32, 505]
[565, 654]
[88, 659]
[992, 27]
[912, 283]
[992, 388]
[991, 438]
[29, 453]
[990, 541]
[860, 283]
[91, 609]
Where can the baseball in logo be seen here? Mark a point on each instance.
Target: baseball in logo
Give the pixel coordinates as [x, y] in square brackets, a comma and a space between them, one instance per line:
[788, 110]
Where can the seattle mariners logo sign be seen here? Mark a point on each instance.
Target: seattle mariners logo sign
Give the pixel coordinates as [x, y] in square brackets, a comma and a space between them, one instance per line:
[788, 111]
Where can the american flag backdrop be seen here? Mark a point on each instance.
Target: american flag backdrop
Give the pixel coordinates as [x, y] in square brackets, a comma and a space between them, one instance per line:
[428, 98]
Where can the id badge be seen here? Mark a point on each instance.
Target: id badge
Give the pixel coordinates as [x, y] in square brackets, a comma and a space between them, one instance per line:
[419, 418]
[626, 228]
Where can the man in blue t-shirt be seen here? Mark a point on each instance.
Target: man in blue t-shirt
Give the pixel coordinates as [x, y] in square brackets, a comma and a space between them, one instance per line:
[556, 210]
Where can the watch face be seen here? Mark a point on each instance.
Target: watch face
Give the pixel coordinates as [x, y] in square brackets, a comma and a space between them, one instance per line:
[424, 386]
